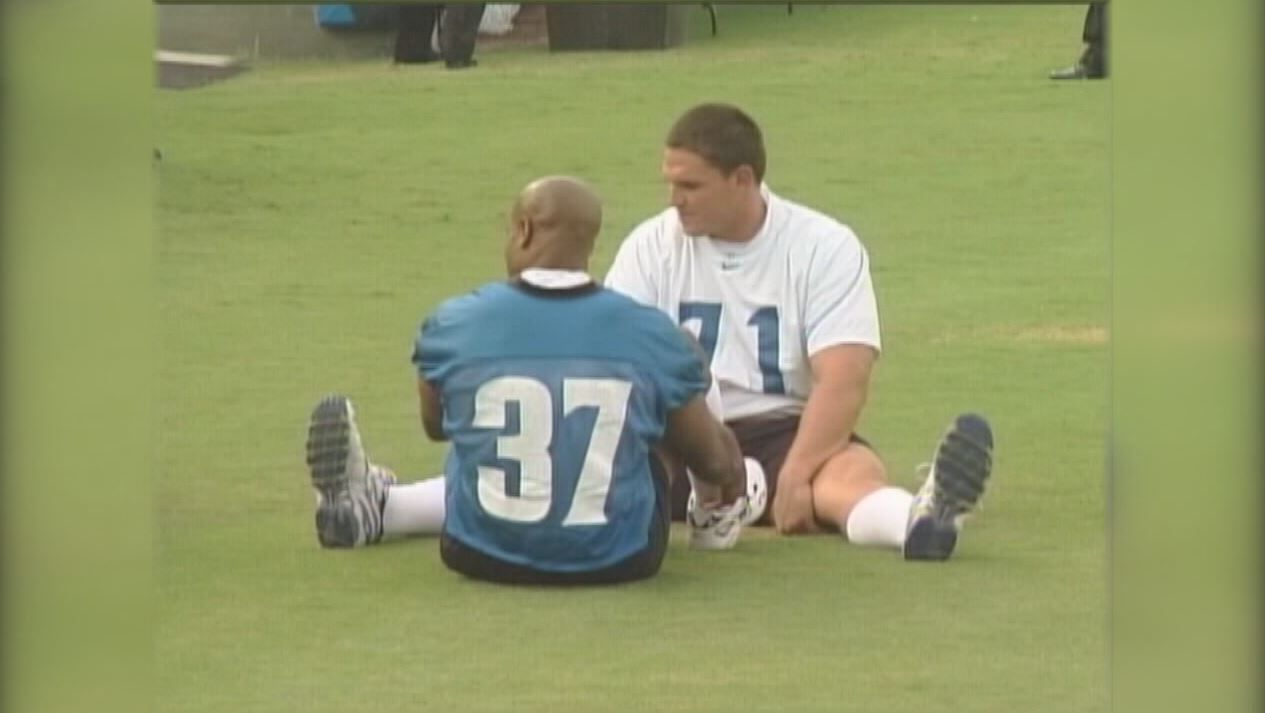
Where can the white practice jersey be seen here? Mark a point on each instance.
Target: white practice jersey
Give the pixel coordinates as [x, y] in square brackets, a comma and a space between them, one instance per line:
[761, 308]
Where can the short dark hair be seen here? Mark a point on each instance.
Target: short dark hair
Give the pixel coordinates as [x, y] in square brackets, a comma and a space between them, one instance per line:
[722, 135]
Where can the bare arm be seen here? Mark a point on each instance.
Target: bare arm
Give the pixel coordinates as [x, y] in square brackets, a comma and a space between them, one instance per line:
[841, 382]
[706, 446]
[432, 411]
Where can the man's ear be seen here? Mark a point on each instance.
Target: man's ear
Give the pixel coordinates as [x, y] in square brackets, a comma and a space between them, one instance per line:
[526, 231]
[744, 175]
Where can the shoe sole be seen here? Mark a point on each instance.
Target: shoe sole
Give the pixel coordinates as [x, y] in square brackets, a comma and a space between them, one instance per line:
[929, 541]
[329, 441]
[963, 464]
[328, 445]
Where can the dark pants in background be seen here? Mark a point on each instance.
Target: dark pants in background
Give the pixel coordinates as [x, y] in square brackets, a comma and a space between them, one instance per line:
[1094, 59]
[459, 29]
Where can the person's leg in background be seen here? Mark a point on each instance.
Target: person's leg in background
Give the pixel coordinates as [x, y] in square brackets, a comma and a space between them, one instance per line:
[1093, 60]
[459, 31]
[414, 28]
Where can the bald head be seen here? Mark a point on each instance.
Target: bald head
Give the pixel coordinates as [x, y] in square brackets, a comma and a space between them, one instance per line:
[556, 220]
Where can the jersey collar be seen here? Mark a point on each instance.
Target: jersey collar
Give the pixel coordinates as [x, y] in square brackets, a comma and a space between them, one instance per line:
[770, 206]
[550, 279]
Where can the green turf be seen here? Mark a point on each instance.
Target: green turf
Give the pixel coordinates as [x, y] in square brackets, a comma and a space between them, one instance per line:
[311, 214]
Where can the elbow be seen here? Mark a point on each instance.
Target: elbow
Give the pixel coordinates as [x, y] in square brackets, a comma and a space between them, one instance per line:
[434, 431]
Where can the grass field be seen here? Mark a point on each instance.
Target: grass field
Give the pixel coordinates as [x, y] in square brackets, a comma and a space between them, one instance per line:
[311, 214]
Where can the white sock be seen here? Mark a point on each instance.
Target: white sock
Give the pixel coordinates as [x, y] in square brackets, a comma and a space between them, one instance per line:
[880, 518]
[414, 508]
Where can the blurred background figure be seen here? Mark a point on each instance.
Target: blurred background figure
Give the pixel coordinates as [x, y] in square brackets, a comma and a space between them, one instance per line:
[458, 29]
[1093, 61]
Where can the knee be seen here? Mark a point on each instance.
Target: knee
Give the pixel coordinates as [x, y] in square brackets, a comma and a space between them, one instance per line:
[845, 480]
[855, 466]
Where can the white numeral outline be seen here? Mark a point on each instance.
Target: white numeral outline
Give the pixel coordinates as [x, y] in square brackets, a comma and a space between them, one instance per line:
[530, 446]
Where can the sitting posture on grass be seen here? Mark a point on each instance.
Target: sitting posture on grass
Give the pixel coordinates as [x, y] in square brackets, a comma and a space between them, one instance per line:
[781, 300]
[556, 395]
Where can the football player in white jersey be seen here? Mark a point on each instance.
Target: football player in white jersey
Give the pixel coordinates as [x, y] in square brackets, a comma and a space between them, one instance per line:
[780, 298]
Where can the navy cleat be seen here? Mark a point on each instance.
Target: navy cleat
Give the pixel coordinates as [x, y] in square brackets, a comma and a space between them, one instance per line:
[959, 472]
[350, 491]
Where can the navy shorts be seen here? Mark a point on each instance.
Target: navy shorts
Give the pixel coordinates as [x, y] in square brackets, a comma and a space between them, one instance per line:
[767, 441]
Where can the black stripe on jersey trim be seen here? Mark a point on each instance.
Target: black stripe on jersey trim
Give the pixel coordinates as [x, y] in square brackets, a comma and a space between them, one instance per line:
[587, 288]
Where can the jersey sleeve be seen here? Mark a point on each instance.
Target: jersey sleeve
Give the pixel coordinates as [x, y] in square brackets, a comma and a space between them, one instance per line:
[434, 350]
[841, 307]
[635, 271]
[677, 364]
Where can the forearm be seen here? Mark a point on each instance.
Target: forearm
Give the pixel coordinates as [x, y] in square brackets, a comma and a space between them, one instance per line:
[707, 447]
[432, 411]
[434, 430]
[723, 468]
[827, 423]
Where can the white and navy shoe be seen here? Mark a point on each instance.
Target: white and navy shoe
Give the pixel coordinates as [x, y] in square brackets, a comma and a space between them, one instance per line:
[715, 527]
[757, 493]
[350, 491]
[959, 472]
